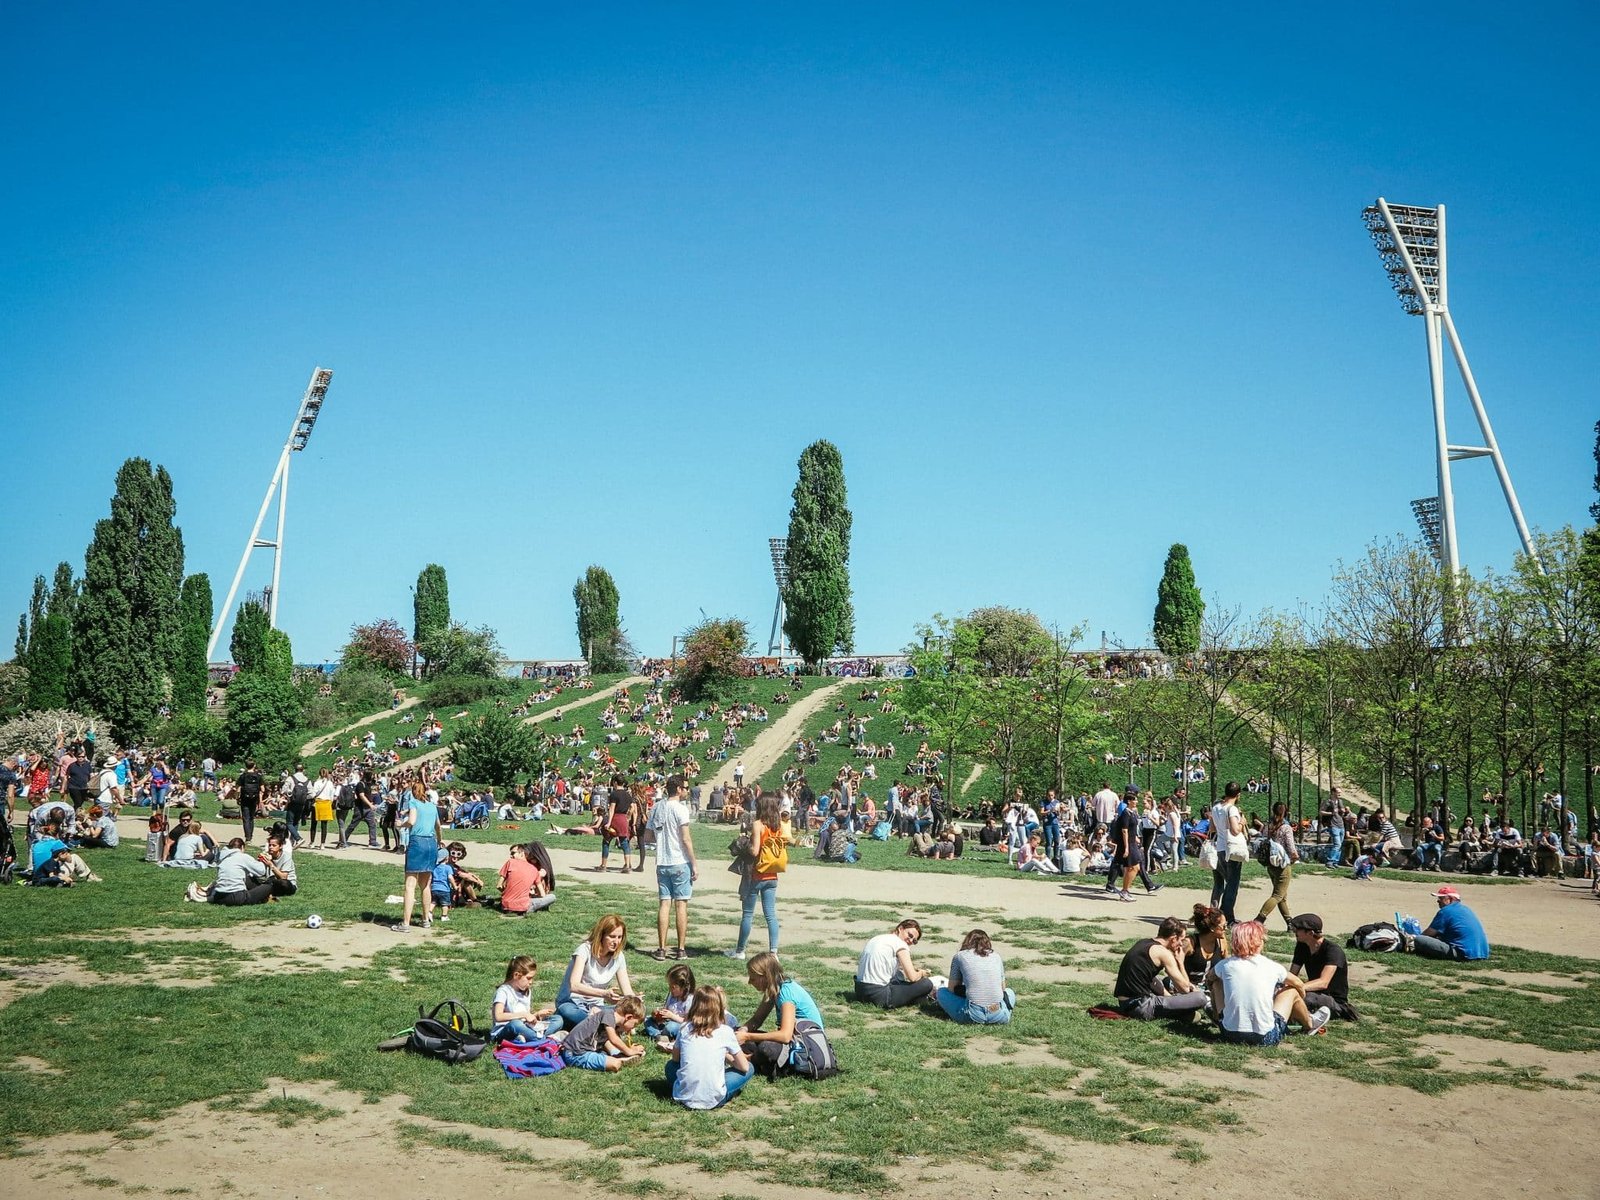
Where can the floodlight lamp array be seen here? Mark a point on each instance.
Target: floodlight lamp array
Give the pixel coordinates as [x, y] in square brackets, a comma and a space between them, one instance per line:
[1426, 510]
[1410, 251]
[310, 408]
[780, 555]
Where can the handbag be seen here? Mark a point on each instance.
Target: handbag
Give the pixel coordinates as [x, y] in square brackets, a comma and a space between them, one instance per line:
[1208, 855]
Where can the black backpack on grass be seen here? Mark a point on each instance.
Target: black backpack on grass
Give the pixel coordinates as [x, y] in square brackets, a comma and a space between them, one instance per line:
[455, 1038]
[811, 1055]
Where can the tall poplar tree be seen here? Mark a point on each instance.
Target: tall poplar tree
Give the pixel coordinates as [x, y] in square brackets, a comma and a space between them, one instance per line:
[1179, 606]
[247, 646]
[49, 658]
[819, 620]
[125, 631]
[191, 676]
[430, 606]
[600, 638]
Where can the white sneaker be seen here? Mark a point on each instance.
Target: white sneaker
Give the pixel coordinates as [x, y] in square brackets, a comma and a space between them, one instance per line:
[444, 917]
[733, 954]
[1319, 1021]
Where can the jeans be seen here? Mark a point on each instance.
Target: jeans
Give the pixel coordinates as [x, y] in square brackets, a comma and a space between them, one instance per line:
[733, 1080]
[1432, 947]
[767, 891]
[1422, 852]
[292, 818]
[1227, 877]
[591, 1060]
[247, 816]
[962, 1012]
[571, 1014]
[1336, 849]
[523, 1031]
[1148, 1008]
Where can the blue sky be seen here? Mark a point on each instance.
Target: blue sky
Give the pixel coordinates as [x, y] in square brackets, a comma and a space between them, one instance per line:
[1064, 286]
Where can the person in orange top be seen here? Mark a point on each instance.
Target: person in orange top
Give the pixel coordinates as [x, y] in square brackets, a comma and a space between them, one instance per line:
[762, 883]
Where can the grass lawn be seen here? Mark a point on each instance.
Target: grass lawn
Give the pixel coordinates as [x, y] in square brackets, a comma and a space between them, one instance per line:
[258, 1002]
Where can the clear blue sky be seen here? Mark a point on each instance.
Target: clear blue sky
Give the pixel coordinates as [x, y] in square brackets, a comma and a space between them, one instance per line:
[1064, 285]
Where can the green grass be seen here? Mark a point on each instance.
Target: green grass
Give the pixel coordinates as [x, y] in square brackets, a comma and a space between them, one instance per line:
[913, 1086]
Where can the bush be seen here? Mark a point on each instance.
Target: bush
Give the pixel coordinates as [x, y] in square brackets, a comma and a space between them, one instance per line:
[451, 690]
[457, 650]
[13, 688]
[714, 666]
[192, 736]
[38, 731]
[278, 753]
[260, 707]
[320, 712]
[496, 749]
[362, 691]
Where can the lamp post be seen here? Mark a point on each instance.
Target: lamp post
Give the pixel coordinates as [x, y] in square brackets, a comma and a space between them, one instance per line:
[780, 574]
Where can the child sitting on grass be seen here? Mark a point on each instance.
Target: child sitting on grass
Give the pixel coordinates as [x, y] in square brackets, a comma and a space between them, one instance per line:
[1364, 867]
[452, 883]
[597, 1043]
[708, 1066]
[1033, 858]
[668, 1019]
[512, 1008]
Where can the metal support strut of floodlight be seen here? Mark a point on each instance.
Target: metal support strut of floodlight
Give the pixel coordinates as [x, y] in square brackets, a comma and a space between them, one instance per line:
[780, 573]
[305, 421]
[1410, 240]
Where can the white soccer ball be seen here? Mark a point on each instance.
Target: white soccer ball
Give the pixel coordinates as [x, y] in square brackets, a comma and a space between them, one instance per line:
[313, 922]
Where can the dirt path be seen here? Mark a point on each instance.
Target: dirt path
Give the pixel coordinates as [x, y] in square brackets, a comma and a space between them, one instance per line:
[317, 743]
[776, 738]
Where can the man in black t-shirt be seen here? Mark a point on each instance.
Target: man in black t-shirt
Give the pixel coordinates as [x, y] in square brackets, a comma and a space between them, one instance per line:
[250, 785]
[1324, 966]
[79, 773]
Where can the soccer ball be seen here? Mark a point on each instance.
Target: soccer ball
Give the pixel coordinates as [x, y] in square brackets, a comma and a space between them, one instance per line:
[313, 922]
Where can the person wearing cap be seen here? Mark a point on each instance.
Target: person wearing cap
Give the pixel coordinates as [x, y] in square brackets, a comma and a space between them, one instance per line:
[1324, 966]
[1455, 932]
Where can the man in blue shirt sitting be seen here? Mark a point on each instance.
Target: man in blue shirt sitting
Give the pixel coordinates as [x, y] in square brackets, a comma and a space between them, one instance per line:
[1455, 934]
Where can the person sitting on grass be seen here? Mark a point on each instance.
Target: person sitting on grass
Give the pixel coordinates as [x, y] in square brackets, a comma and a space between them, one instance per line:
[242, 878]
[57, 870]
[1152, 981]
[100, 832]
[1324, 966]
[1255, 996]
[885, 975]
[600, 1042]
[708, 1067]
[977, 993]
[1033, 858]
[1455, 933]
[664, 1021]
[524, 885]
[771, 1051]
[512, 1007]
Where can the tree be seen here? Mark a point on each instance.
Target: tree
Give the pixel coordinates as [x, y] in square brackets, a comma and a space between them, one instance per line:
[263, 705]
[29, 620]
[193, 736]
[378, 646]
[21, 647]
[63, 592]
[600, 634]
[13, 688]
[457, 650]
[247, 646]
[430, 608]
[945, 693]
[1179, 606]
[191, 676]
[496, 749]
[125, 632]
[714, 652]
[819, 619]
[49, 662]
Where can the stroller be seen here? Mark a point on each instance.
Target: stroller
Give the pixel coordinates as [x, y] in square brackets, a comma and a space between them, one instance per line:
[473, 815]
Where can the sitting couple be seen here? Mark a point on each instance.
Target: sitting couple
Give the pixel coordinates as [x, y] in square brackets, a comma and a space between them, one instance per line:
[975, 993]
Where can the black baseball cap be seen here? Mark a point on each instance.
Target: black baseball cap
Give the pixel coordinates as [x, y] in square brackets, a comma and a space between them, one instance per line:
[1309, 922]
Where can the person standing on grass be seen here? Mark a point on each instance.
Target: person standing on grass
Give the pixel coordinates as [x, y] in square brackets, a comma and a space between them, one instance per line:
[251, 784]
[760, 878]
[1280, 835]
[420, 817]
[676, 870]
[324, 794]
[886, 976]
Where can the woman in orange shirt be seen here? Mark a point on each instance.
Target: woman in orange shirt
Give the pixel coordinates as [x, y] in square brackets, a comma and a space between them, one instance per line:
[769, 856]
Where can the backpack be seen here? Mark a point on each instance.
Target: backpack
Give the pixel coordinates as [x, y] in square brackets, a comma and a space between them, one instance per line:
[1379, 937]
[773, 855]
[455, 1039]
[811, 1054]
[300, 796]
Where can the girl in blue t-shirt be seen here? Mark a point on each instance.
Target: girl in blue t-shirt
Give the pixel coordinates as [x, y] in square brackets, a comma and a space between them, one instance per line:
[770, 1052]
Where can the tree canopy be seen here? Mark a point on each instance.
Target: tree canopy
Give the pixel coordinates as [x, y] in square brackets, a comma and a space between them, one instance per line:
[819, 619]
[1179, 606]
[430, 608]
[600, 636]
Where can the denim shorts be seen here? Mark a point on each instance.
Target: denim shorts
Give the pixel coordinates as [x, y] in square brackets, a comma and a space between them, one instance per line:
[591, 1060]
[673, 883]
[1271, 1038]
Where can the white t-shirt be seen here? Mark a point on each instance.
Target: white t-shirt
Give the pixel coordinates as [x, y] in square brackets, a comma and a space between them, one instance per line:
[108, 785]
[702, 1080]
[517, 1004]
[594, 974]
[1248, 986]
[1105, 806]
[667, 820]
[1228, 843]
[880, 960]
[1072, 860]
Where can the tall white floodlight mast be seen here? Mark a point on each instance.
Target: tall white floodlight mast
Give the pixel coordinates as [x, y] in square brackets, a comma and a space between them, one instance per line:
[780, 573]
[1410, 240]
[299, 434]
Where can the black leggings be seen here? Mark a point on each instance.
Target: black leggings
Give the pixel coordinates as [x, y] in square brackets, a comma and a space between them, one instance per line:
[256, 894]
[893, 995]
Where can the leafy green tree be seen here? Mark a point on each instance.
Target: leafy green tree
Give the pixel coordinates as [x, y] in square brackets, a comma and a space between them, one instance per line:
[430, 608]
[49, 662]
[277, 656]
[496, 749]
[600, 637]
[714, 653]
[63, 592]
[191, 675]
[37, 601]
[378, 646]
[819, 618]
[360, 690]
[263, 705]
[1179, 606]
[21, 647]
[193, 736]
[247, 646]
[126, 631]
[946, 694]
[457, 650]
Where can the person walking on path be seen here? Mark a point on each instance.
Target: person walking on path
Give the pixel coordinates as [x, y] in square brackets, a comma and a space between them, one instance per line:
[1280, 856]
[676, 869]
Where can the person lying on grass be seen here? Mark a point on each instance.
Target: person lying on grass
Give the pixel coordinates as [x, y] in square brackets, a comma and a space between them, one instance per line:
[1255, 996]
[708, 1067]
[602, 1040]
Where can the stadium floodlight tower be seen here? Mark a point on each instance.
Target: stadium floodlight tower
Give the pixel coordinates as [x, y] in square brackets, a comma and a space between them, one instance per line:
[299, 434]
[1410, 240]
[780, 573]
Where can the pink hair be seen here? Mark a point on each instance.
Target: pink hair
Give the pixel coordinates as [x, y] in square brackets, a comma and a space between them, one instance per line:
[1247, 939]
